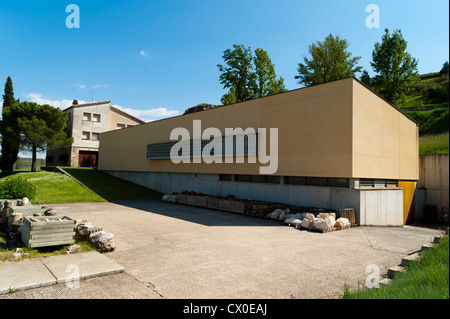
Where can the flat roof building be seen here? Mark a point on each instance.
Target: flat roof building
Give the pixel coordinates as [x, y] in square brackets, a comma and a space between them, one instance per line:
[333, 145]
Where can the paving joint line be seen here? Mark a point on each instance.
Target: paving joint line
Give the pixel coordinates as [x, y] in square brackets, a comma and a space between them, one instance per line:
[51, 272]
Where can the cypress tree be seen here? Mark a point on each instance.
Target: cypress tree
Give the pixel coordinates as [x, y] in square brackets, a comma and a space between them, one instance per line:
[9, 130]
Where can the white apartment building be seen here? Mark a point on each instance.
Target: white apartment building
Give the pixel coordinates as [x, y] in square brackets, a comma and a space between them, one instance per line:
[85, 123]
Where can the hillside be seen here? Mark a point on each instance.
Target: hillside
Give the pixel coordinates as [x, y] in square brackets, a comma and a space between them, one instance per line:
[428, 105]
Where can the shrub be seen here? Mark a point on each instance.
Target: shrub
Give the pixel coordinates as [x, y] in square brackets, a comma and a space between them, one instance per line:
[17, 188]
[431, 122]
[437, 93]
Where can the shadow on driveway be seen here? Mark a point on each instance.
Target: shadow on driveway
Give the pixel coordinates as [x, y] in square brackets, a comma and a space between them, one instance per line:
[198, 215]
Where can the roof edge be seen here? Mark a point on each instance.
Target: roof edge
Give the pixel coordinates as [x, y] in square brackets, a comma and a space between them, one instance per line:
[392, 105]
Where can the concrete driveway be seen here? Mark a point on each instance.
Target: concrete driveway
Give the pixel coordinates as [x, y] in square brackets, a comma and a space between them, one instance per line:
[188, 252]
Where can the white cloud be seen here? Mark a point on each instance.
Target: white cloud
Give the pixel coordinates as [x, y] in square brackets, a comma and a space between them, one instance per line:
[150, 114]
[143, 53]
[145, 115]
[97, 86]
[61, 104]
[80, 85]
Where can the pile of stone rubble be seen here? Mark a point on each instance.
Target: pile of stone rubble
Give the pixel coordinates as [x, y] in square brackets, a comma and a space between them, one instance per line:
[321, 222]
[95, 235]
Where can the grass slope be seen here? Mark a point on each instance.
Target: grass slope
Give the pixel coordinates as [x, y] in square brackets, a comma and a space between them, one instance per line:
[434, 144]
[426, 278]
[53, 188]
[110, 187]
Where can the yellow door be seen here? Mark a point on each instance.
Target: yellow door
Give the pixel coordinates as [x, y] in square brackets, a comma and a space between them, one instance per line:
[409, 189]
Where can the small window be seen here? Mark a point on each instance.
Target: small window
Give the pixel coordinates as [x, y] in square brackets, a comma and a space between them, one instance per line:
[86, 116]
[392, 183]
[273, 179]
[225, 177]
[95, 137]
[380, 183]
[316, 181]
[257, 178]
[85, 136]
[242, 178]
[366, 183]
[338, 182]
[297, 180]
[119, 126]
[96, 118]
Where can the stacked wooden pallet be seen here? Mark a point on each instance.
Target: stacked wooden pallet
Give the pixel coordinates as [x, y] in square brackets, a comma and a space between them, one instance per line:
[46, 231]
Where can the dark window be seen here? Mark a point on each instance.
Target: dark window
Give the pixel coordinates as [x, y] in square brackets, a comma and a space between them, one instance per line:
[159, 150]
[273, 179]
[258, 178]
[297, 180]
[225, 177]
[338, 182]
[162, 150]
[316, 181]
[242, 178]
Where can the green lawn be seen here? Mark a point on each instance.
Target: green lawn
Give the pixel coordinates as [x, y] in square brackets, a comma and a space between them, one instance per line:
[53, 188]
[434, 144]
[426, 278]
[7, 249]
[110, 187]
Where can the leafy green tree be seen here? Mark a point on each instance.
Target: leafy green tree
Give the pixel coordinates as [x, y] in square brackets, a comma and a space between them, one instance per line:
[9, 130]
[238, 72]
[248, 76]
[395, 68]
[330, 61]
[229, 97]
[266, 79]
[444, 69]
[40, 126]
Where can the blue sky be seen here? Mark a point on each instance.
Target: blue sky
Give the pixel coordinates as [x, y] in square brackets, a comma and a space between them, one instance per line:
[157, 58]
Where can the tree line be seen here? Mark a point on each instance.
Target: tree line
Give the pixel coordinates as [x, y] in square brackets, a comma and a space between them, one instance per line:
[248, 76]
[29, 126]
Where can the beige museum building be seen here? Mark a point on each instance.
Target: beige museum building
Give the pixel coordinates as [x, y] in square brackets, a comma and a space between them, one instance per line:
[339, 145]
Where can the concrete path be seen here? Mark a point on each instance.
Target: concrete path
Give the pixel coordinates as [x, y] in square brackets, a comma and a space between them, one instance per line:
[69, 269]
[175, 251]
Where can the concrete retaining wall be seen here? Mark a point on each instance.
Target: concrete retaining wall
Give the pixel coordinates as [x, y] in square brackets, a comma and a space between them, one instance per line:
[373, 207]
[434, 177]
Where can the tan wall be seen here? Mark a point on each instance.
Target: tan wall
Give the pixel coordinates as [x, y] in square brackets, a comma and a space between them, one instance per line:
[116, 117]
[385, 141]
[314, 128]
[315, 134]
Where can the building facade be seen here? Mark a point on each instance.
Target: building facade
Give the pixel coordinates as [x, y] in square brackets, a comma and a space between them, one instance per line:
[85, 123]
[338, 145]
